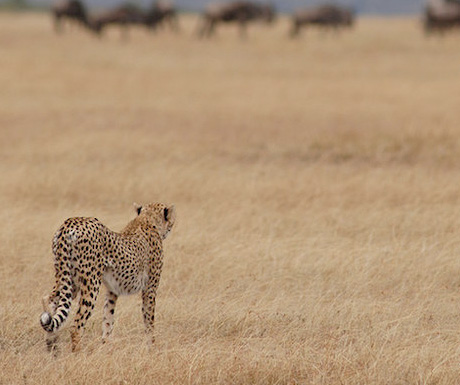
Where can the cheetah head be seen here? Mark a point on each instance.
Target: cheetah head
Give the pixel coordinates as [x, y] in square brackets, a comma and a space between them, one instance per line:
[159, 215]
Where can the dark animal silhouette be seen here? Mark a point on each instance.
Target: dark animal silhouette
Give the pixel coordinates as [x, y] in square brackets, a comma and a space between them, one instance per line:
[160, 14]
[124, 16]
[73, 10]
[241, 12]
[328, 16]
[129, 15]
[441, 16]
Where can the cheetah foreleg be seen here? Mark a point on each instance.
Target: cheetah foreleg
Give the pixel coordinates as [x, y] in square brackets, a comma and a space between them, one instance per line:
[148, 310]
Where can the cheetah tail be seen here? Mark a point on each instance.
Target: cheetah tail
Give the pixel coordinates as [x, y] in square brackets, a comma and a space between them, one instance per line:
[59, 307]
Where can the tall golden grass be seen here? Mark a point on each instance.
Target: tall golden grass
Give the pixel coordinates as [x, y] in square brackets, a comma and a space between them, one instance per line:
[317, 190]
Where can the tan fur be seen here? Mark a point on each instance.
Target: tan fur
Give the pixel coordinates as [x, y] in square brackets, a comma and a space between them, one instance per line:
[88, 253]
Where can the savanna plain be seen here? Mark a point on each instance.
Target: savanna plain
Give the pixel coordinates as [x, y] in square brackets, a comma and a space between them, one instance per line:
[317, 189]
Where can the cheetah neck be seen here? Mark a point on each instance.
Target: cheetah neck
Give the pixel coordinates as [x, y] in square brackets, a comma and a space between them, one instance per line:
[140, 224]
[132, 227]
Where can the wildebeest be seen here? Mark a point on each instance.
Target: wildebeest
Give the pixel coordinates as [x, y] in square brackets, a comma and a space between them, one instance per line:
[441, 15]
[73, 10]
[162, 13]
[240, 12]
[123, 15]
[328, 15]
[128, 15]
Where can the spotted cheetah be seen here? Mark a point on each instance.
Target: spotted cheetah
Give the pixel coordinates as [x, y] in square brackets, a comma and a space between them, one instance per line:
[88, 253]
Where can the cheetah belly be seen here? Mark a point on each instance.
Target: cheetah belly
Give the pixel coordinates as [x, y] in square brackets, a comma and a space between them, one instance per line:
[123, 286]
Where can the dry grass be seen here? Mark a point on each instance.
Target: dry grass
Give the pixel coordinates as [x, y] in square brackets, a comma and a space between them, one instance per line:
[316, 183]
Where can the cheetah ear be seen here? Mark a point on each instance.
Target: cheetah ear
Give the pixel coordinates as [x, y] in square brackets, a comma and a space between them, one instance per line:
[137, 207]
[169, 213]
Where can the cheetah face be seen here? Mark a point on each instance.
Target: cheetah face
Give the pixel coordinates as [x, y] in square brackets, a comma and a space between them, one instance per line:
[160, 215]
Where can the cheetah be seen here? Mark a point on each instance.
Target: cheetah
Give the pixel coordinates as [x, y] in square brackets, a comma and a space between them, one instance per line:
[87, 253]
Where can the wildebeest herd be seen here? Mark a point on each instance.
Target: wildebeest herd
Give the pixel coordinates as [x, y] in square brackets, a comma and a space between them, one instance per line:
[438, 16]
[162, 13]
[125, 15]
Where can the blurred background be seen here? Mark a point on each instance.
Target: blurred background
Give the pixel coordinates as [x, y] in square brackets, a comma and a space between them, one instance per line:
[389, 7]
[311, 149]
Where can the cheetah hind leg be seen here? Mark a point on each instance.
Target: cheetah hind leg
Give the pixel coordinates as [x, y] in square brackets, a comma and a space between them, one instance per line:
[109, 310]
[49, 308]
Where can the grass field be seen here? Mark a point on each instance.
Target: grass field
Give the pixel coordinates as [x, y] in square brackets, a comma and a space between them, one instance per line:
[317, 191]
